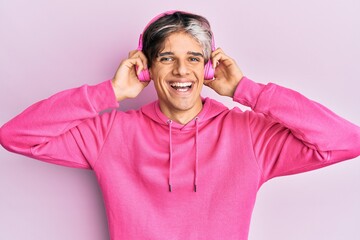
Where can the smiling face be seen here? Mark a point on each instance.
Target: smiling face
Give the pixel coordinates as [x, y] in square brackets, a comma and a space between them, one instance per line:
[178, 74]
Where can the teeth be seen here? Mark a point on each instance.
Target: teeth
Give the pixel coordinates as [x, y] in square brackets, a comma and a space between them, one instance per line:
[182, 89]
[181, 84]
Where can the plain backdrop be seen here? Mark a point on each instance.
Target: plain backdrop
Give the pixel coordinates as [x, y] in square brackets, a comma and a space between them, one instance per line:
[50, 45]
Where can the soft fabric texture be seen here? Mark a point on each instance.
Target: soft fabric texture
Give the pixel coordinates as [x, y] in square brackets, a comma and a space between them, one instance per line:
[214, 165]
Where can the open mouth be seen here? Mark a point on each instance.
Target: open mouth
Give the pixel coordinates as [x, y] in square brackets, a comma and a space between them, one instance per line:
[181, 86]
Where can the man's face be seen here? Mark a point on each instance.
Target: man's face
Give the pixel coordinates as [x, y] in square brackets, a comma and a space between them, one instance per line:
[178, 74]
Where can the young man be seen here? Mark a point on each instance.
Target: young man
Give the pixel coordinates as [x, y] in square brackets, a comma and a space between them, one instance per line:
[183, 167]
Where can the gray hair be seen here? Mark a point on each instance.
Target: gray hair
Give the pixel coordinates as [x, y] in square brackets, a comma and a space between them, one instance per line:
[196, 26]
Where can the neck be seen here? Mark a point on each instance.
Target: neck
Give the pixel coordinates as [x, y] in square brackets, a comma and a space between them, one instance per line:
[182, 116]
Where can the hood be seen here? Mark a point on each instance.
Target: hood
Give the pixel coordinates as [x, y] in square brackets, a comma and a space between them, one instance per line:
[210, 110]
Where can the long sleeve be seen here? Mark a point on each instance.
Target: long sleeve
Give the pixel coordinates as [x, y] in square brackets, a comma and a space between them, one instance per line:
[293, 134]
[50, 130]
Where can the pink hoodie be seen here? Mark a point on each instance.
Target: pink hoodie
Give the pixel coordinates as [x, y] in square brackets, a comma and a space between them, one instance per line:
[224, 155]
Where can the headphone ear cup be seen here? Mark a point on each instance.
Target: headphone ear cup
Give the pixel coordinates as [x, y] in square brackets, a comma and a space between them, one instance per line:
[144, 76]
[209, 71]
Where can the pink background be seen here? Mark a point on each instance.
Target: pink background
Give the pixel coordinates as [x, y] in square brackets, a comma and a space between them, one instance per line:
[47, 46]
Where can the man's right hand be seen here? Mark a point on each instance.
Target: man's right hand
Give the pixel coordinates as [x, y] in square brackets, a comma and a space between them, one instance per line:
[125, 83]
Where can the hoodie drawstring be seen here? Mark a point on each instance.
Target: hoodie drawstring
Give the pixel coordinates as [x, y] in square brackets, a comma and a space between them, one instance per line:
[169, 122]
[196, 153]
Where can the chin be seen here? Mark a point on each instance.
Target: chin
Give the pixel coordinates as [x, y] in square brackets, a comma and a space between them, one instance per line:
[186, 104]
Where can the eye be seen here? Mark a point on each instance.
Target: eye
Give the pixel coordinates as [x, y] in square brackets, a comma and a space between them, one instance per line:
[166, 59]
[194, 59]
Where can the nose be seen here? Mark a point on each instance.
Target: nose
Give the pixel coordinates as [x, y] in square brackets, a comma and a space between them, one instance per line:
[181, 68]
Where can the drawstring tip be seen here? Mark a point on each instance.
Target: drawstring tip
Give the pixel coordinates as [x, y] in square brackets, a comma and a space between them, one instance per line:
[170, 189]
[195, 188]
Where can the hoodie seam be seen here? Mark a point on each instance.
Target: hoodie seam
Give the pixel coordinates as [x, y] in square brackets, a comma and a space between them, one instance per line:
[253, 150]
[104, 142]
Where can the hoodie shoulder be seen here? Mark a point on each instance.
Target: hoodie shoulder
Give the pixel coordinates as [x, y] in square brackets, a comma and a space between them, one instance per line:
[152, 110]
[211, 109]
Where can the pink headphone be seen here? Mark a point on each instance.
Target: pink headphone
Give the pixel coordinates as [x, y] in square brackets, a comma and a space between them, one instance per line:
[145, 74]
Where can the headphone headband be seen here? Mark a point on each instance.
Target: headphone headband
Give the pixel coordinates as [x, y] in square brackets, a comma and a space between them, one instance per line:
[154, 19]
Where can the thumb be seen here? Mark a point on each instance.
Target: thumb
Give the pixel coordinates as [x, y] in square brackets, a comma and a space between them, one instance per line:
[209, 82]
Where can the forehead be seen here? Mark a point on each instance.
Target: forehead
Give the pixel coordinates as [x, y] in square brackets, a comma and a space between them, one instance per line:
[181, 42]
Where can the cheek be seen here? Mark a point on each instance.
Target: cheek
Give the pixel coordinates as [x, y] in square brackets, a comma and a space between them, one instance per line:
[157, 75]
[200, 72]
[157, 72]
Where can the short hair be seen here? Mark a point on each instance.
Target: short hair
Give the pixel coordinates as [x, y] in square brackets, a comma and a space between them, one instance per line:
[195, 25]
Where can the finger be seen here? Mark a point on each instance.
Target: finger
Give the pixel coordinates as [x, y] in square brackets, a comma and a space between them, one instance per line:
[139, 66]
[132, 53]
[143, 59]
[222, 58]
[141, 55]
[133, 64]
[208, 83]
[218, 56]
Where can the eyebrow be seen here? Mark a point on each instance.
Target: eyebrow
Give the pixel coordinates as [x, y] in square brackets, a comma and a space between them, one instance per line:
[165, 54]
[196, 54]
[189, 53]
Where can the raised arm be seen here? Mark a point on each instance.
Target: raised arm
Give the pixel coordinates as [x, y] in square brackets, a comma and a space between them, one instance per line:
[293, 134]
[66, 128]
[32, 132]
[290, 133]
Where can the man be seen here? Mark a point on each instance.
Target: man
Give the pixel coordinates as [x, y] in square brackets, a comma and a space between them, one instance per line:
[183, 167]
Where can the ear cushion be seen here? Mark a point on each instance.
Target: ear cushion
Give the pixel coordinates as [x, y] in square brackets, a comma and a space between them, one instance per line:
[144, 75]
[209, 71]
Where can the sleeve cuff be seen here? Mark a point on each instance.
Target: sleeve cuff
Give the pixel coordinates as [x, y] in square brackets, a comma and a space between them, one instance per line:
[247, 92]
[102, 96]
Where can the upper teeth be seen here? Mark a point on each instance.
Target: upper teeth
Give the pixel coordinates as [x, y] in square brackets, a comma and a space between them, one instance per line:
[181, 84]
